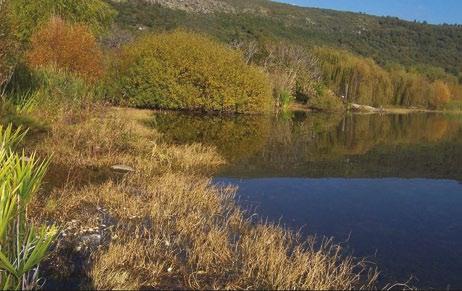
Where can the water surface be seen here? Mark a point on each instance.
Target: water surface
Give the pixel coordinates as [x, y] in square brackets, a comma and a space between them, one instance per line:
[390, 184]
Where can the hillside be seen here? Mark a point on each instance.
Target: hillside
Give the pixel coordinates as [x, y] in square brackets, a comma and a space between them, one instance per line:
[386, 39]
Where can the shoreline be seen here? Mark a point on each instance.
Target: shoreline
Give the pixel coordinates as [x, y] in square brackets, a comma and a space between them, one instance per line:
[365, 109]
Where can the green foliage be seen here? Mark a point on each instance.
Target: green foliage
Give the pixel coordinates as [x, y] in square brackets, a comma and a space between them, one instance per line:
[187, 71]
[45, 91]
[386, 39]
[7, 45]
[285, 99]
[293, 70]
[10, 138]
[326, 100]
[27, 15]
[23, 245]
[56, 86]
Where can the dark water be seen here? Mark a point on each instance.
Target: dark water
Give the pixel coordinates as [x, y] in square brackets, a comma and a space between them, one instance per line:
[390, 184]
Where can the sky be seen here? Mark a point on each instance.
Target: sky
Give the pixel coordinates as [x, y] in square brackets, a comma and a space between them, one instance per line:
[432, 11]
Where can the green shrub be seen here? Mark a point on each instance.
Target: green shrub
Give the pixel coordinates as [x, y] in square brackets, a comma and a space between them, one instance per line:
[57, 87]
[28, 15]
[44, 92]
[285, 99]
[182, 70]
[326, 100]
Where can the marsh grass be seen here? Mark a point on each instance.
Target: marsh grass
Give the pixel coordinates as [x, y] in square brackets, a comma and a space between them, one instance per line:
[166, 225]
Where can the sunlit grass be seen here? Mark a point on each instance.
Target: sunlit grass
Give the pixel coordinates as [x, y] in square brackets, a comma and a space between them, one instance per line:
[169, 226]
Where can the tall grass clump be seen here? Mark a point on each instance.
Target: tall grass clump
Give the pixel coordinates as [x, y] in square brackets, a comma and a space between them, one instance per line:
[22, 245]
[181, 70]
[58, 86]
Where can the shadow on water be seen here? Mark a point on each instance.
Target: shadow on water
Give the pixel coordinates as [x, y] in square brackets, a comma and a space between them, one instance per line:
[392, 184]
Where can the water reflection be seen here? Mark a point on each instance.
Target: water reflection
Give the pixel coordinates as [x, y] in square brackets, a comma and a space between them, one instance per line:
[320, 145]
[349, 176]
[407, 226]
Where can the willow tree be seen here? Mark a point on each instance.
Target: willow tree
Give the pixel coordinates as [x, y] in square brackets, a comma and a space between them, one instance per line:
[356, 78]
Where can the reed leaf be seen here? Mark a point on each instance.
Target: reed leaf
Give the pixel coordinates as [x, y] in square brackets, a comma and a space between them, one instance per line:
[22, 245]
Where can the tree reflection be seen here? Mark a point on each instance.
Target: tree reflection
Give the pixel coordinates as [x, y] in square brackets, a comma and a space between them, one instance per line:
[316, 144]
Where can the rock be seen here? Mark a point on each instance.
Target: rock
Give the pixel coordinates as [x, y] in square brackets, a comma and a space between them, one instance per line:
[122, 168]
[358, 107]
[91, 240]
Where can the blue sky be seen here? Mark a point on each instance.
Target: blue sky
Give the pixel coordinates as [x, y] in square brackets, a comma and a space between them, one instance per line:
[432, 11]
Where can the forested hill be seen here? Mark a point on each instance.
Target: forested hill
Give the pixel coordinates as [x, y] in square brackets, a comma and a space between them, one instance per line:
[386, 39]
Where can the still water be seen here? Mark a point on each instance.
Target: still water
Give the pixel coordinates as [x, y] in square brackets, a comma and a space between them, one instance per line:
[389, 184]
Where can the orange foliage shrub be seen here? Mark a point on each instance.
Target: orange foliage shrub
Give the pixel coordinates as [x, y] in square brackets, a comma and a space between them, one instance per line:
[67, 46]
[441, 93]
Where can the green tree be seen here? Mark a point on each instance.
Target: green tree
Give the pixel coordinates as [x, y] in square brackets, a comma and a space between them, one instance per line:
[28, 15]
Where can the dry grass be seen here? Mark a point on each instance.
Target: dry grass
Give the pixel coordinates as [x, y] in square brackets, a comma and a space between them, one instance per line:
[166, 225]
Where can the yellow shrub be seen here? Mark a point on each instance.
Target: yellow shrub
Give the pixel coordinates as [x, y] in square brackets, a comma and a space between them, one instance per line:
[182, 70]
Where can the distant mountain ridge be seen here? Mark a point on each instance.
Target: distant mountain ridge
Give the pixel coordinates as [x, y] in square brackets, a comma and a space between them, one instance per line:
[386, 39]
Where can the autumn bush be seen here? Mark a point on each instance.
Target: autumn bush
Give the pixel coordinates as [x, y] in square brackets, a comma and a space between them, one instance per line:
[181, 70]
[67, 46]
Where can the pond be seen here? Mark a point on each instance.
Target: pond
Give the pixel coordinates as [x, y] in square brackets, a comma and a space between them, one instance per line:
[389, 185]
